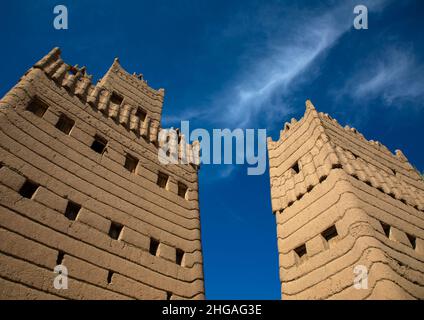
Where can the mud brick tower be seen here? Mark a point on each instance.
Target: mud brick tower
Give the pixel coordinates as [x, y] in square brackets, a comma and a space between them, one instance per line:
[81, 186]
[341, 202]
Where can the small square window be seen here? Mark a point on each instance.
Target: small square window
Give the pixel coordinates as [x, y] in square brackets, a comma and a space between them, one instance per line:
[141, 114]
[154, 246]
[300, 251]
[130, 163]
[37, 107]
[182, 190]
[295, 167]
[179, 256]
[28, 189]
[115, 230]
[412, 240]
[65, 124]
[386, 229]
[162, 180]
[116, 99]
[72, 210]
[99, 144]
[330, 233]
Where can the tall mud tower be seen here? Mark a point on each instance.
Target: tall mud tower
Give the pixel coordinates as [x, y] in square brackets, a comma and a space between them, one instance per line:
[349, 213]
[82, 191]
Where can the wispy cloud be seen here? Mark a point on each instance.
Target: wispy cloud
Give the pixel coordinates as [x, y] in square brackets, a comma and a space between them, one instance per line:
[394, 76]
[262, 89]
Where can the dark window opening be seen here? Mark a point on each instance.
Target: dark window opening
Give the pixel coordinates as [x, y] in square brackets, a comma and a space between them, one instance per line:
[65, 124]
[295, 167]
[301, 250]
[115, 230]
[322, 179]
[37, 107]
[386, 229]
[309, 189]
[179, 255]
[162, 180]
[182, 190]
[109, 276]
[72, 210]
[60, 256]
[99, 144]
[154, 246]
[116, 99]
[131, 163]
[412, 240]
[330, 233]
[28, 189]
[337, 166]
[168, 295]
[141, 114]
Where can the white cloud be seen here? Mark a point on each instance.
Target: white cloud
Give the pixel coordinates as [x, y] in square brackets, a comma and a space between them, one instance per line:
[394, 76]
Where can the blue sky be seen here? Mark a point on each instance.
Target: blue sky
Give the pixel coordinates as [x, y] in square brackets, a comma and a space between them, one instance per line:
[247, 64]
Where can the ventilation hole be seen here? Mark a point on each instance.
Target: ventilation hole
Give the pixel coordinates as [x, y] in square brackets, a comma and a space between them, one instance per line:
[182, 190]
[392, 195]
[179, 255]
[300, 196]
[99, 144]
[337, 166]
[322, 178]
[386, 228]
[300, 251]
[162, 180]
[330, 233]
[37, 107]
[290, 203]
[168, 295]
[141, 114]
[403, 201]
[401, 264]
[60, 256]
[28, 189]
[65, 124]
[355, 155]
[295, 167]
[72, 210]
[131, 163]
[109, 276]
[309, 189]
[355, 176]
[380, 189]
[416, 207]
[115, 230]
[116, 99]
[412, 240]
[368, 183]
[393, 171]
[154, 246]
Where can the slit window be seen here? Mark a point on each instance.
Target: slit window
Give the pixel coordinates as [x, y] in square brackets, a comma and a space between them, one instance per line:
[179, 256]
[168, 295]
[182, 190]
[37, 107]
[72, 210]
[141, 114]
[295, 167]
[154, 246]
[65, 124]
[109, 276]
[28, 189]
[329, 233]
[99, 144]
[162, 180]
[412, 240]
[131, 163]
[301, 250]
[386, 229]
[60, 256]
[115, 230]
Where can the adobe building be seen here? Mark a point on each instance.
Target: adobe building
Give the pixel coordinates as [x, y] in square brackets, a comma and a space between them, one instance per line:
[345, 207]
[82, 187]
